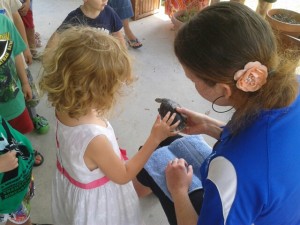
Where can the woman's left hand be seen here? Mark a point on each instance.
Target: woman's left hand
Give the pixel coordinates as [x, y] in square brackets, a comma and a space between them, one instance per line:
[178, 176]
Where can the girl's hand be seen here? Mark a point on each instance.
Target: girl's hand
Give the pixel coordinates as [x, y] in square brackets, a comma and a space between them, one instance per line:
[162, 128]
[24, 8]
[8, 161]
[27, 91]
[178, 176]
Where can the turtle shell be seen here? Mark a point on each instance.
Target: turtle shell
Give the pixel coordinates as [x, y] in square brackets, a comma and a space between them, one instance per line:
[168, 105]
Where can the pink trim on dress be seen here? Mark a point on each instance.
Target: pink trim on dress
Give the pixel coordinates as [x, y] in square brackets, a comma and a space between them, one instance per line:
[91, 185]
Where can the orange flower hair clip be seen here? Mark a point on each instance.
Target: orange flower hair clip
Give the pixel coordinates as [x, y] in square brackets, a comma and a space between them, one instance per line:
[252, 77]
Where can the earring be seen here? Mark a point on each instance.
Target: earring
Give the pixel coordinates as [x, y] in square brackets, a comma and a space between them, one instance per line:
[213, 107]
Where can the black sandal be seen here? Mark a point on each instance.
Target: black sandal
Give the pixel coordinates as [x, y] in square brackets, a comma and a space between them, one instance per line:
[134, 43]
[36, 153]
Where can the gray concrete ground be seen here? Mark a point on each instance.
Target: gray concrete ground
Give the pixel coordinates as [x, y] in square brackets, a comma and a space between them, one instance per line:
[159, 75]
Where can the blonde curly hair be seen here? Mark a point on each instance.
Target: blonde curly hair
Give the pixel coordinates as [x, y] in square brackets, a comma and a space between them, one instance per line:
[85, 71]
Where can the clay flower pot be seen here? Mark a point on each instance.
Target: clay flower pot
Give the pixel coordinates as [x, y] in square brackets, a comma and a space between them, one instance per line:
[183, 15]
[286, 24]
[177, 23]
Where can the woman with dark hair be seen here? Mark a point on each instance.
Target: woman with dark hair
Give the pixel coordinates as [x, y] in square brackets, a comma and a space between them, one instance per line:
[252, 175]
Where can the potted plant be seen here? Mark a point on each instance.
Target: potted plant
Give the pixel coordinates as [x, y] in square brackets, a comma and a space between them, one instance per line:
[286, 25]
[184, 15]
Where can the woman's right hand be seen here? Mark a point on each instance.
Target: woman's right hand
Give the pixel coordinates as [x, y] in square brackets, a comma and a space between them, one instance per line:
[162, 128]
[8, 161]
[178, 176]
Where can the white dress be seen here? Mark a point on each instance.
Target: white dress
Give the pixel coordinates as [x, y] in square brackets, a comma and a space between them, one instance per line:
[108, 204]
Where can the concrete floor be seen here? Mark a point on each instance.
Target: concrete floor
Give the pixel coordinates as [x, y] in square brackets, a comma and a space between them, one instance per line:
[159, 75]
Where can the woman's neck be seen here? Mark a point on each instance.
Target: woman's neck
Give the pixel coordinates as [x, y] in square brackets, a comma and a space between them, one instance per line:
[89, 11]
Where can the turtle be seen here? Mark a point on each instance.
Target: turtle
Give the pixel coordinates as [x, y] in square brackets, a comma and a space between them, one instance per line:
[167, 105]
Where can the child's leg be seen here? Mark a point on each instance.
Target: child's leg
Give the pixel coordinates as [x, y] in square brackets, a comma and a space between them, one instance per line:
[22, 123]
[30, 32]
[22, 215]
[263, 6]
[141, 190]
[31, 38]
[29, 27]
[35, 95]
[38, 42]
[40, 123]
[131, 38]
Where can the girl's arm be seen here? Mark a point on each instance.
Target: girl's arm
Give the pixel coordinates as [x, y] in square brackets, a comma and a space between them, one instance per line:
[99, 153]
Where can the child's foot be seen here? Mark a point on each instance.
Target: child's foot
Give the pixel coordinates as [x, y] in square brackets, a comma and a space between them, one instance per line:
[36, 55]
[134, 43]
[41, 124]
[38, 158]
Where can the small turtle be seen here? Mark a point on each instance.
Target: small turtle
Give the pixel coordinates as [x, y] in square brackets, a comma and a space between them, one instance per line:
[168, 105]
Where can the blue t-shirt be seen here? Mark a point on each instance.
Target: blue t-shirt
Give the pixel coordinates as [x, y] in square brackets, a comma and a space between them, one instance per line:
[107, 20]
[254, 176]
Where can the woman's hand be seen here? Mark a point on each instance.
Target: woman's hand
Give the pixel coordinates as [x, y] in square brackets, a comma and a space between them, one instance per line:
[178, 176]
[8, 161]
[198, 123]
[162, 128]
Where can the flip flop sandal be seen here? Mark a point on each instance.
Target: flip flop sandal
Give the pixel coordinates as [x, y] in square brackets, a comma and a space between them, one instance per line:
[134, 43]
[36, 153]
